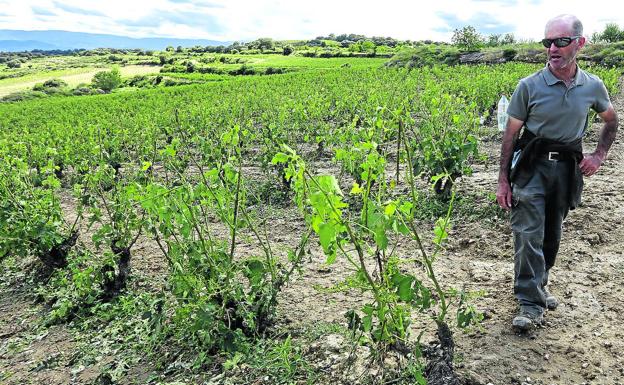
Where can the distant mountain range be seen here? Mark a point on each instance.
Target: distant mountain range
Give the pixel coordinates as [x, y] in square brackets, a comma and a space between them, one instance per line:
[17, 40]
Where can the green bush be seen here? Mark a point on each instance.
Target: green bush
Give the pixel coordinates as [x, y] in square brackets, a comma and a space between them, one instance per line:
[52, 91]
[83, 90]
[140, 81]
[273, 71]
[243, 70]
[107, 80]
[51, 87]
[210, 70]
[509, 53]
[24, 95]
[288, 50]
[14, 64]
[176, 68]
[58, 83]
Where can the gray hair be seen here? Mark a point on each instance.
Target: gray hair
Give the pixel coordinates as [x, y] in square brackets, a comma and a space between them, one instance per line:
[573, 21]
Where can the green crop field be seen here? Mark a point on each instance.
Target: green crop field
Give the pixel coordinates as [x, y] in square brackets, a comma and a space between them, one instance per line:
[181, 228]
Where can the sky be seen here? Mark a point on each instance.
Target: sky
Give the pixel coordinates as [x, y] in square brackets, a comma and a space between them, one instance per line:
[232, 20]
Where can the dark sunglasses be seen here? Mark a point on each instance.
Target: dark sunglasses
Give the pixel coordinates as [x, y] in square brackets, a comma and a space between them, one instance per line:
[560, 41]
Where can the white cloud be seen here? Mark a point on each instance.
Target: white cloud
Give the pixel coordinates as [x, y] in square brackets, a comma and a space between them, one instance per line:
[282, 19]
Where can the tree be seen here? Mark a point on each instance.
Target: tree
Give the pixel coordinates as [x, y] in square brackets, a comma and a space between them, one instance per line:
[315, 43]
[498, 39]
[612, 33]
[235, 46]
[107, 80]
[264, 43]
[494, 40]
[190, 66]
[596, 37]
[346, 43]
[288, 49]
[367, 45]
[509, 38]
[467, 38]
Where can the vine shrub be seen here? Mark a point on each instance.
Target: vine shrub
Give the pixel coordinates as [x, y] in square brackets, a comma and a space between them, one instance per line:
[221, 300]
[444, 141]
[374, 235]
[31, 219]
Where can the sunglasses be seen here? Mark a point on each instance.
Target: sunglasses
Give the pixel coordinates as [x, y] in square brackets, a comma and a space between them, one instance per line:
[560, 41]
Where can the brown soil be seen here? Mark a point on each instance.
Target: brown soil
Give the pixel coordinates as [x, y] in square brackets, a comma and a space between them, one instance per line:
[581, 342]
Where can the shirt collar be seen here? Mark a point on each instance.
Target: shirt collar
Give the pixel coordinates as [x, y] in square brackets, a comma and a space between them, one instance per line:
[579, 78]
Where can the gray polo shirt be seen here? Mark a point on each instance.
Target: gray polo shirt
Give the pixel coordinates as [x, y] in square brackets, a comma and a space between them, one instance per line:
[551, 110]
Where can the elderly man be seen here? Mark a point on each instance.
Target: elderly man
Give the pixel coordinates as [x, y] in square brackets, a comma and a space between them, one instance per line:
[541, 173]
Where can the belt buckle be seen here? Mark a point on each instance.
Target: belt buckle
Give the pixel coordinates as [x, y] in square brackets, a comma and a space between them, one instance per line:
[550, 155]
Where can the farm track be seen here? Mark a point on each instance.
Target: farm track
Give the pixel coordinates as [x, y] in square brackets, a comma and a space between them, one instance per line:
[581, 342]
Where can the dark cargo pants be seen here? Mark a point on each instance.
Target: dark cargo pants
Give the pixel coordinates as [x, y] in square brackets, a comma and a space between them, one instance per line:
[539, 209]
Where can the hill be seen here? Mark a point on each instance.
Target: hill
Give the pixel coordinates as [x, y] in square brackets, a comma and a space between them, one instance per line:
[18, 40]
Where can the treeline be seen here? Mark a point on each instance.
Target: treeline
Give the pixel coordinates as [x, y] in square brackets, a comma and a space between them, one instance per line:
[352, 42]
[17, 59]
[611, 34]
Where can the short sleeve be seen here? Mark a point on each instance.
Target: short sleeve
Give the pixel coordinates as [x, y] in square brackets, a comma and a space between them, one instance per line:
[602, 98]
[519, 104]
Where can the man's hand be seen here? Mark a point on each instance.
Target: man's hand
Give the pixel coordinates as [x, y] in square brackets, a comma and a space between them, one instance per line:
[503, 192]
[503, 195]
[590, 163]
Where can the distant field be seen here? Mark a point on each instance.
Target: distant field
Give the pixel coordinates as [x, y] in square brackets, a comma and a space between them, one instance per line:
[298, 62]
[73, 77]
[262, 62]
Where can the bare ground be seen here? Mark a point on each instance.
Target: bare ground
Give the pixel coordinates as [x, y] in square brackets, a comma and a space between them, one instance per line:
[581, 342]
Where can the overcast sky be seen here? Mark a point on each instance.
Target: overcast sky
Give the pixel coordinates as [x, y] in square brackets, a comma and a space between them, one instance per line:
[230, 20]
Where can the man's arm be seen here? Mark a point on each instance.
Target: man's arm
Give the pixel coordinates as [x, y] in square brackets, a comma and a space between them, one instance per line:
[592, 162]
[503, 193]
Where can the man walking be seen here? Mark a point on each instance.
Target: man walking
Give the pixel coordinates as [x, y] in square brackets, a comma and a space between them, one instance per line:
[541, 173]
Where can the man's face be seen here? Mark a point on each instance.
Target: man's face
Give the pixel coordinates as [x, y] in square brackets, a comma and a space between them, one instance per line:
[561, 58]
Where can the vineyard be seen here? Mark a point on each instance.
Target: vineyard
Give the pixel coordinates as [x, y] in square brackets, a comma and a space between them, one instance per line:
[330, 223]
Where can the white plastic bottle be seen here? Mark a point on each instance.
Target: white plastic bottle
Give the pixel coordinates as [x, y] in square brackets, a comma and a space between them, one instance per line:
[502, 113]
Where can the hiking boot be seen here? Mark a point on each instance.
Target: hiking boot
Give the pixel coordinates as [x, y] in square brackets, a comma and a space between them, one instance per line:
[551, 301]
[527, 320]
